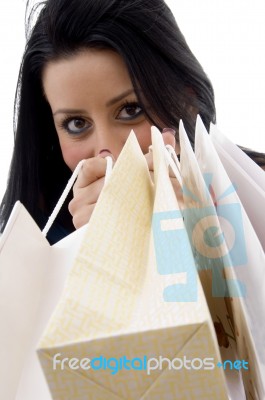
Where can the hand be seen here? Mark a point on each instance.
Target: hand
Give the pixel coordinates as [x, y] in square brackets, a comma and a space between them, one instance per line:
[90, 182]
[168, 138]
[86, 190]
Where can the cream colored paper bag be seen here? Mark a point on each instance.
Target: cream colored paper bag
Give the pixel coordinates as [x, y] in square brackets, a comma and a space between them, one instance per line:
[120, 299]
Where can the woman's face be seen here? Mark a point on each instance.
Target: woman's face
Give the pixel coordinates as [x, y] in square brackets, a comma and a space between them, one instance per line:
[94, 105]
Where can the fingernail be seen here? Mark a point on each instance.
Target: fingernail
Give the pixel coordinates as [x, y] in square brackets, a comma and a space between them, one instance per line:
[169, 130]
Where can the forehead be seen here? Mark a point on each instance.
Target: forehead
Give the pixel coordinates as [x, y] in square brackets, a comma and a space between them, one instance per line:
[86, 69]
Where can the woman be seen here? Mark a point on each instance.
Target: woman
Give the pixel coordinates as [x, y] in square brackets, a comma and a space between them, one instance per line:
[91, 72]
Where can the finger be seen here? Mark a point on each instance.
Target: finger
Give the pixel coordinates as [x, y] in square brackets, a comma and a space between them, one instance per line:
[86, 195]
[149, 160]
[83, 216]
[168, 136]
[92, 170]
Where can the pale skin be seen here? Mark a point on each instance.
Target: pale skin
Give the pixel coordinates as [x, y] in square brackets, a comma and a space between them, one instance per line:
[94, 108]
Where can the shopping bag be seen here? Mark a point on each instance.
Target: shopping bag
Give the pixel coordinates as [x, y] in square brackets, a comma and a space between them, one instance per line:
[248, 264]
[20, 292]
[247, 177]
[32, 276]
[211, 256]
[118, 331]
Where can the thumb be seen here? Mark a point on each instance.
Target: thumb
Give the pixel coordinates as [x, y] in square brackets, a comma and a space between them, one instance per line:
[168, 136]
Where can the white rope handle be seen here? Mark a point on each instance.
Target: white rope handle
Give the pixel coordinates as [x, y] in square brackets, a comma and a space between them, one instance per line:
[67, 189]
[173, 162]
[108, 168]
[173, 154]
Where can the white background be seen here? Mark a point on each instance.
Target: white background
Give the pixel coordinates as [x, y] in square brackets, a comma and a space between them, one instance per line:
[227, 37]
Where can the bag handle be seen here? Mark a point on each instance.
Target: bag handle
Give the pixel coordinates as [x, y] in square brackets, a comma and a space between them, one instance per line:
[173, 162]
[67, 189]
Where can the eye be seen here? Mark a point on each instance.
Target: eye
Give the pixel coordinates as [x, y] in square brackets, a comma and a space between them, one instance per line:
[75, 125]
[129, 111]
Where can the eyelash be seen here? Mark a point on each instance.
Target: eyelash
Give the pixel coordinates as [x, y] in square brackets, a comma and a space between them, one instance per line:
[131, 104]
[65, 122]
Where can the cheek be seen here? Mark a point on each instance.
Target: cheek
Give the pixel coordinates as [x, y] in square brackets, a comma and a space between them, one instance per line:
[73, 152]
[143, 135]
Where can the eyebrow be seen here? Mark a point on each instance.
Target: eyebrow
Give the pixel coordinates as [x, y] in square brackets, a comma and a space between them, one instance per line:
[69, 111]
[108, 104]
[120, 97]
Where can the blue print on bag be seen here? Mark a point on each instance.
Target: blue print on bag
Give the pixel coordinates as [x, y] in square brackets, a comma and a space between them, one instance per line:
[210, 245]
[208, 239]
[173, 256]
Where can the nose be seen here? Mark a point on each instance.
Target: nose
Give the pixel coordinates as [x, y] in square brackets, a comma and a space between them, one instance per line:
[108, 140]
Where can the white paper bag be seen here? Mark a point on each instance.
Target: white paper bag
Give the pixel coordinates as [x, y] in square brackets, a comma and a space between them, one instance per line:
[247, 177]
[32, 277]
[248, 263]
